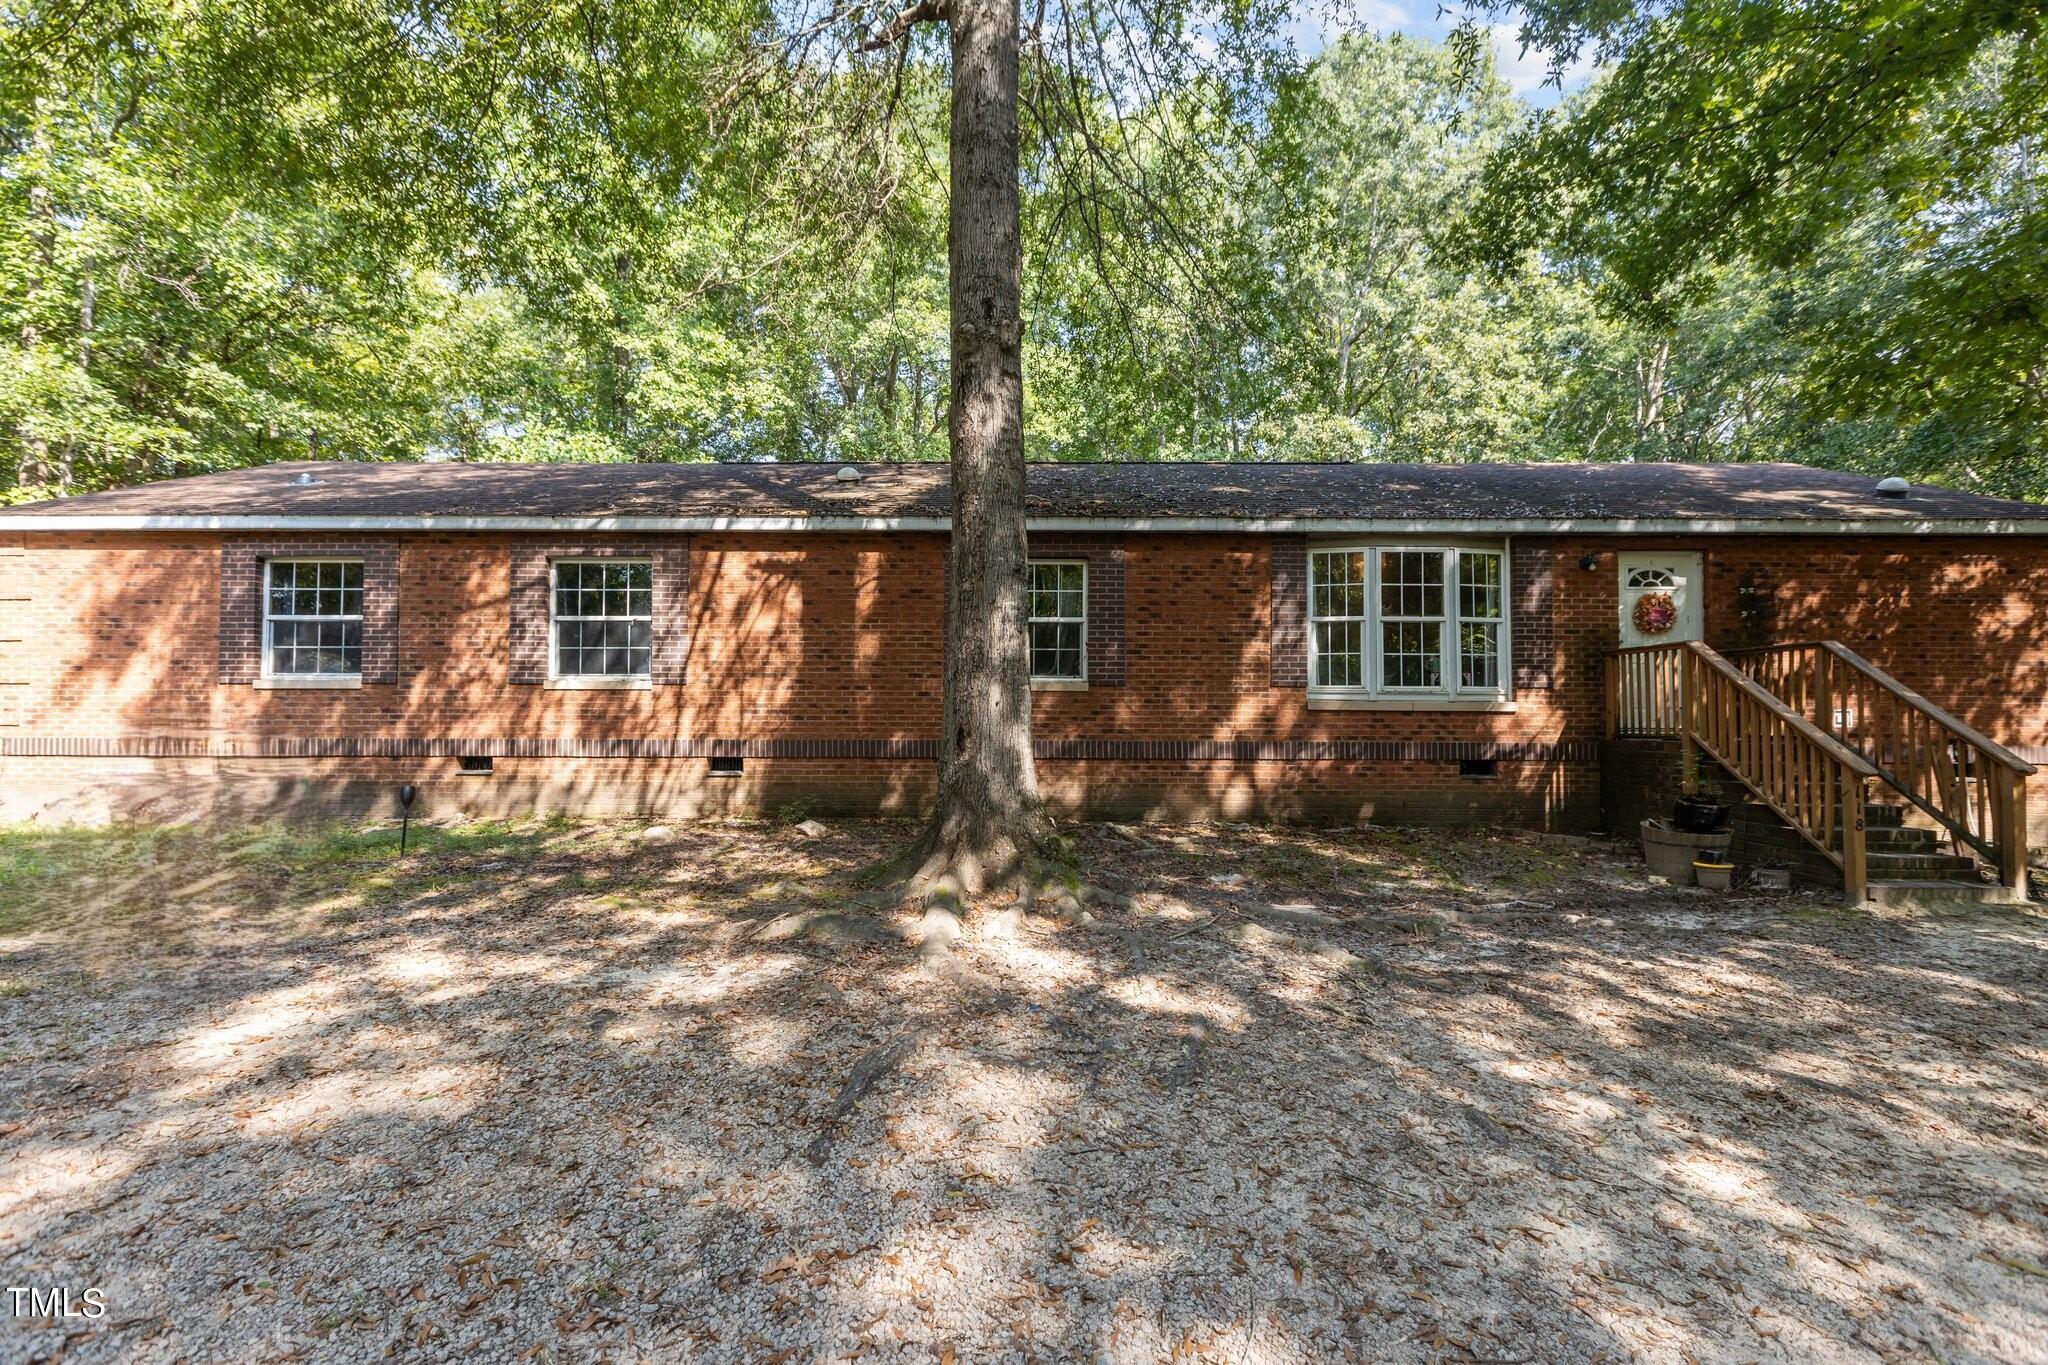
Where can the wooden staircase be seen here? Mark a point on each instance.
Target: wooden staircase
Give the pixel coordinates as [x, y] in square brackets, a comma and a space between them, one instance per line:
[1846, 755]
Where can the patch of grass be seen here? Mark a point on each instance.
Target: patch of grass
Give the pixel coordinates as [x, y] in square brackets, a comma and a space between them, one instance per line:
[44, 867]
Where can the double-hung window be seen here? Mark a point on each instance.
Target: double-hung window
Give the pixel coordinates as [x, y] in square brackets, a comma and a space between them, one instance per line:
[1405, 622]
[603, 619]
[1058, 614]
[313, 618]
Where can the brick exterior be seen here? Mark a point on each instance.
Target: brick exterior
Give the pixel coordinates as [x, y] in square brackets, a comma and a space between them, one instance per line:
[1287, 607]
[1532, 572]
[241, 603]
[1105, 560]
[816, 657]
[531, 585]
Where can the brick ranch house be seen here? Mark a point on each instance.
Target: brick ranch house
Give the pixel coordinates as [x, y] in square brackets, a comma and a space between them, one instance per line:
[1538, 645]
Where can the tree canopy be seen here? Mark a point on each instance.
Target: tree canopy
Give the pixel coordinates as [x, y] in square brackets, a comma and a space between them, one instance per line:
[1761, 232]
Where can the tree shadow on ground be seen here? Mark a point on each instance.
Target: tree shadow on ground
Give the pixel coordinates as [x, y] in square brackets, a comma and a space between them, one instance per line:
[565, 1090]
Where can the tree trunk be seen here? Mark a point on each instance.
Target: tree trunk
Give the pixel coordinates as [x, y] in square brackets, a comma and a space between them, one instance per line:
[36, 467]
[988, 818]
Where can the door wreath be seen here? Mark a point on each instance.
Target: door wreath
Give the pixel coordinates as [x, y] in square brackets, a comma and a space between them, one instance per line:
[1655, 613]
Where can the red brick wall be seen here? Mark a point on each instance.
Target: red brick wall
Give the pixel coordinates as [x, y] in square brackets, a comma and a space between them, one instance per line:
[834, 638]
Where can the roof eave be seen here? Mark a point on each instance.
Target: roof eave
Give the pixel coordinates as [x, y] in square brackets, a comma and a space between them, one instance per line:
[1886, 526]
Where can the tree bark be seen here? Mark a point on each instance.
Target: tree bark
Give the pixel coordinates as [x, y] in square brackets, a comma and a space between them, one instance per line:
[988, 817]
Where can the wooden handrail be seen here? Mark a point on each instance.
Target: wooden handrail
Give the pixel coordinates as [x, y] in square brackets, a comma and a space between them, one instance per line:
[1967, 783]
[1812, 733]
[1815, 783]
[1992, 749]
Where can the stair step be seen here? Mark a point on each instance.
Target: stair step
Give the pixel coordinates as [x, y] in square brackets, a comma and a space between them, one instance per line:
[1905, 839]
[1879, 816]
[1921, 867]
[1937, 895]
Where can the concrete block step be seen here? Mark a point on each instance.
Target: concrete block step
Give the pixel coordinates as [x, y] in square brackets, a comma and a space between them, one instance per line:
[1921, 867]
[1937, 895]
[1900, 839]
[1878, 815]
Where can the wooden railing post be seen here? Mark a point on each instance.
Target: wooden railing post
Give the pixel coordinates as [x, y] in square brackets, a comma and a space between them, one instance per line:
[1855, 863]
[1688, 703]
[1823, 692]
[2009, 814]
[1613, 696]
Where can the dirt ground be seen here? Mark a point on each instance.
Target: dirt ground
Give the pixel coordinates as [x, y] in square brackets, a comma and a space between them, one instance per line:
[566, 1092]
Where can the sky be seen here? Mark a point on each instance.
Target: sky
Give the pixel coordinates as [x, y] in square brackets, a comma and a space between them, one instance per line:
[1525, 73]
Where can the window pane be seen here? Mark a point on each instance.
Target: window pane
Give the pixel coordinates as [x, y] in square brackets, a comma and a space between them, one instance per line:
[1056, 592]
[1479, 585]
[1411, 654]
[1479, 655]
[1337, 583]
[640, 577]
[1340, 658]
[1411, 583]
[352, 576]
[1056, 649]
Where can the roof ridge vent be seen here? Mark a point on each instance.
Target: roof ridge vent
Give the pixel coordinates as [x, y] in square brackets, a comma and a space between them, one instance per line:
[1894, 487]
[305, 479]
[847, 474]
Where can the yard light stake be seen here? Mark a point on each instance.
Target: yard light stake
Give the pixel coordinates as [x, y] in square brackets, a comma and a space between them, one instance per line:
[406, 794]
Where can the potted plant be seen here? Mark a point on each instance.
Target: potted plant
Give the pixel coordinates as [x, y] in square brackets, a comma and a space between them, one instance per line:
[1697, 814]
[1695, 831]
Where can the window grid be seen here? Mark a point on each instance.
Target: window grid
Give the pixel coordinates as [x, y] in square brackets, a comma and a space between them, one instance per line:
[1337, 598]
[1411, 601]
[313, 618]
[1436, 618]
[1479, 618]
[603, 618]
[1057, 619]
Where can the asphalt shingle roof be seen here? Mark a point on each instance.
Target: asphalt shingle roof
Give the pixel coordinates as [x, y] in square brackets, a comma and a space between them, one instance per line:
[1264, 491]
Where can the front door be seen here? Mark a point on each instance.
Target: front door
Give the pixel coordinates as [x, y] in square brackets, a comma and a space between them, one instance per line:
[1660, 597]
[1660, 605]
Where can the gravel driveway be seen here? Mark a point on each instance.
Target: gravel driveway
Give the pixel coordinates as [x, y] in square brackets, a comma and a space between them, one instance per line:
[566, 1092]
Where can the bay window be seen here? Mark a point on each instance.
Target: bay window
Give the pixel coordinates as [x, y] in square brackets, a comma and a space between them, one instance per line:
[1407, 622]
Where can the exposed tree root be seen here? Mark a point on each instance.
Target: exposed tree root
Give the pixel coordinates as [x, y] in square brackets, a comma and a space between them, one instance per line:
[958, 867]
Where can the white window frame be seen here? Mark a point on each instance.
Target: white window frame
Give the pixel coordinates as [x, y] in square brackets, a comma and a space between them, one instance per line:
[1375, 687]
[1056, 679]
[558, 678]
[269, 672]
